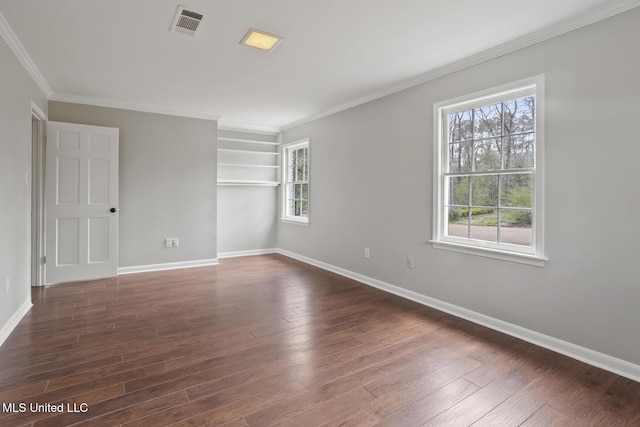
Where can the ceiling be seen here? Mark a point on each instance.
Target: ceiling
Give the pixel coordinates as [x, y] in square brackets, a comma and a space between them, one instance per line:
[335, 53]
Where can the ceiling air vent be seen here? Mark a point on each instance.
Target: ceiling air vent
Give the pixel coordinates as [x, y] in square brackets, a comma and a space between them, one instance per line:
[186, 21]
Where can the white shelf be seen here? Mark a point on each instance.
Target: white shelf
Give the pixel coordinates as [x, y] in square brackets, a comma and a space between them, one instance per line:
[244, 161]
[250, 141]
[239, 165]
[248, 182]
[238, 150]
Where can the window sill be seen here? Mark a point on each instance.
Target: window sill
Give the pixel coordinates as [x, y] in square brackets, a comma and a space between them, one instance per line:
[527, 259]
[303, 222]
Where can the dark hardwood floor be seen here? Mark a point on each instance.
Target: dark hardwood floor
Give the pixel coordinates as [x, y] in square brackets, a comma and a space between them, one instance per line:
[266, 340]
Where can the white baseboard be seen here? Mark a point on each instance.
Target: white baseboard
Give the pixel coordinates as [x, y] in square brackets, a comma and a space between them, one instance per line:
[600, 360]
[247, 253]
[167, 266]
[15, 319]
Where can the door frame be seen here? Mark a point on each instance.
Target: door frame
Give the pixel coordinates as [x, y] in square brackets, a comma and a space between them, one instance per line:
[37, 230]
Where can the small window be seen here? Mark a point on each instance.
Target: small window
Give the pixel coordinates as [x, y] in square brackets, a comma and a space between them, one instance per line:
[296, 181]
[489, 174]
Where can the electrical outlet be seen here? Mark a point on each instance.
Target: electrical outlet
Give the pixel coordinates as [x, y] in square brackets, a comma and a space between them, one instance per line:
[409, 262]
[366, 252]
[7, 286]
[168, 243]
[174, 243]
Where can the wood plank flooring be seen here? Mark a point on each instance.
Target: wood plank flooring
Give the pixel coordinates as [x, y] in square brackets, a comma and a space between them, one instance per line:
[269, 341]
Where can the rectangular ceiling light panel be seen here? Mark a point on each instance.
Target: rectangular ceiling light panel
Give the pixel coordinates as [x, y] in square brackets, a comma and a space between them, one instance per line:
[260, 39]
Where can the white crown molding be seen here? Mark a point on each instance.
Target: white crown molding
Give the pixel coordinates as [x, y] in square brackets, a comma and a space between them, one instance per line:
[15, 320]
[247, 127]
[167, 266]
[19, 51]
[123, 105]
[577, 22]
[592, 357]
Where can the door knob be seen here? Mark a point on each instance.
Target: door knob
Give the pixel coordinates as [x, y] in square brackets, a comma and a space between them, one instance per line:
[113, 210]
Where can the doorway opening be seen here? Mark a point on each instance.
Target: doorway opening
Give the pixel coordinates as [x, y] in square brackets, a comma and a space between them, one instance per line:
[37, 235]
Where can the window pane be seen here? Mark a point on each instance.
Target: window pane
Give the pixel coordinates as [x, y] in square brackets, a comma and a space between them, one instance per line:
[487, 121]
[460, 126]
[515, 217]
[519, 115]
[458, 222]
[305, 208]
[518, 151]
[299, 173]
[516, 190]
[487, 155]
[460, 157]
[305, 191]
[515, 227]
[291, 207]
[459, 190]
[484, 224]
[484, 190]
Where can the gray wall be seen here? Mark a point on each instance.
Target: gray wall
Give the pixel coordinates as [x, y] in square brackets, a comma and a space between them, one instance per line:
[371, 185]
[167, 182]
[246, 218]
[17, 90]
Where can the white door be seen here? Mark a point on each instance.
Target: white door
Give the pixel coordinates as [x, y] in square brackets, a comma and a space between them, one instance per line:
[82, 202]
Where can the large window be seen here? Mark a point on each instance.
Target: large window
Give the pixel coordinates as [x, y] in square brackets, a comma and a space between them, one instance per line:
[489, 174]
[296, 181]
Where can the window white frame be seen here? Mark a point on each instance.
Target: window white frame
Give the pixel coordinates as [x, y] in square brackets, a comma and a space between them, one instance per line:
[289, 181]
[532, 255]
